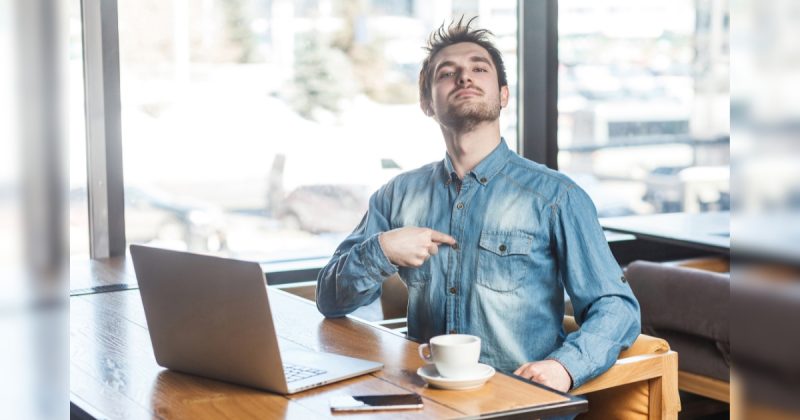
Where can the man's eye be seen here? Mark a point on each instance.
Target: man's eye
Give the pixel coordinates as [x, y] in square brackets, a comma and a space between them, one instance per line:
[480, 70]
[446, 74]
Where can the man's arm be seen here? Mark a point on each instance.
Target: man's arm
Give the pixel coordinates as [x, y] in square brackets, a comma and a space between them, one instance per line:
[371, 254]
[603, 302]
[353, 277]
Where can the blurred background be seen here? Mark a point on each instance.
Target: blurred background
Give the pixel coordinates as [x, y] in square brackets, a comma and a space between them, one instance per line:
[222, 100]
[258, 129]
[765, 217]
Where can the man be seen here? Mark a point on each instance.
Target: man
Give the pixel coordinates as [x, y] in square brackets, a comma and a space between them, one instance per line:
[485, 240]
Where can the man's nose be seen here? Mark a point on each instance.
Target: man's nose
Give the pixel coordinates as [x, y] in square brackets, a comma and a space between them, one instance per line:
[463, 78]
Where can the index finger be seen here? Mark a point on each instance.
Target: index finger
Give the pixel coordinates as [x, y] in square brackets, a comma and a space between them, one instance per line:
[442, 238]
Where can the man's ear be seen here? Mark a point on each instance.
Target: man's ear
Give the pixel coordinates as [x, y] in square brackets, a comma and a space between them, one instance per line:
[503, 96]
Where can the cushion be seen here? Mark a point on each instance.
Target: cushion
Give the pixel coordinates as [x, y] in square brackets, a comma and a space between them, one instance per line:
[690, 309]
[626, 402]
[685, 300]
[699, 355]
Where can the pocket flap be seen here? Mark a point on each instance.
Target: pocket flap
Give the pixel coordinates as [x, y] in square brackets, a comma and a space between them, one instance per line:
[506, 243]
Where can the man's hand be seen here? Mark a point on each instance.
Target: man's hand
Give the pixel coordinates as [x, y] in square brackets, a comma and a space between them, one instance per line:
[411, 246]
[546, 372]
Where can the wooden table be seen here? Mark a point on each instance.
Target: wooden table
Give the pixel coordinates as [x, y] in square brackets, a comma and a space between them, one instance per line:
[113, 373]
[702, 231]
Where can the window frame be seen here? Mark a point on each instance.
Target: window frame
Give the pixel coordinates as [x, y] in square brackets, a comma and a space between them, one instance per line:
[101, 78]
[537, 49]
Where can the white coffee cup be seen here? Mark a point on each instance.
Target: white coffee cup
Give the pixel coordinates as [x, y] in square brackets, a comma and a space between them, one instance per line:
[455, 355]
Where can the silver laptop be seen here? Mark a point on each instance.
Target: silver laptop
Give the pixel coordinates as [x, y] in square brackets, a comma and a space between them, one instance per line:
[210, 316]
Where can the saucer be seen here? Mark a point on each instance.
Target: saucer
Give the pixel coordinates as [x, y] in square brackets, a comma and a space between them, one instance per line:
[482, 374]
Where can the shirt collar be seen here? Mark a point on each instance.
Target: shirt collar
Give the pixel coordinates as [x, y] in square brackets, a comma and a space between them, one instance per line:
[449, 173]
[486, 169]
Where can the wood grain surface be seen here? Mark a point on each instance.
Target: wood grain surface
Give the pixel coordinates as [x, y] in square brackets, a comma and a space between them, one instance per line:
[113, 370]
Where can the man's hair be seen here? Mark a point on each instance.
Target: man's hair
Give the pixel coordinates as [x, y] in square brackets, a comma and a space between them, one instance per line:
[455, 33]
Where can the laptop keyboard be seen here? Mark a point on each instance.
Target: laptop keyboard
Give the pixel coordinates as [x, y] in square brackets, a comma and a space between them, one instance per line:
[296, 372]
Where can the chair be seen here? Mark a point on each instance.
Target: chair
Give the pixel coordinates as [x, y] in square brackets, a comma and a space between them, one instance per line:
[394, 304]
[641, 384]
[689, 308]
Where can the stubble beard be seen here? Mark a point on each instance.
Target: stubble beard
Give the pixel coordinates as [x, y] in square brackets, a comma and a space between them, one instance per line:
[465, 117]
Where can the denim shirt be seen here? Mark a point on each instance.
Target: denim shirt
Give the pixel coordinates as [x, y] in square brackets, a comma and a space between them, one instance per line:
[525, 234]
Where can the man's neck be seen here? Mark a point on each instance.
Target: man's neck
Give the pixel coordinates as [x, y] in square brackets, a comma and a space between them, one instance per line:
[468, 149]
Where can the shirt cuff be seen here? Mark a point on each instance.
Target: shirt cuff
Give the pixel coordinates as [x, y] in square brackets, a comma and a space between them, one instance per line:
[376, 262]
[573, 362]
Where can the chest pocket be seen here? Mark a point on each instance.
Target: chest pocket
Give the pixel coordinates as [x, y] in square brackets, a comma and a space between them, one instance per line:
[503, 260]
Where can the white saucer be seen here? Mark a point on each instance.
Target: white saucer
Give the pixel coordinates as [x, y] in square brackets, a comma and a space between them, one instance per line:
[482, 374]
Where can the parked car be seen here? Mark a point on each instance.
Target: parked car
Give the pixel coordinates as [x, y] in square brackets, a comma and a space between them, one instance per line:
[689, 189]
[324, 208]
[155, 216]
[325, 197]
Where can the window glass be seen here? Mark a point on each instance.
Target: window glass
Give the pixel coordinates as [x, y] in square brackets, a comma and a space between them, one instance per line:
[644, 103]
[78, 197]
[258, 129]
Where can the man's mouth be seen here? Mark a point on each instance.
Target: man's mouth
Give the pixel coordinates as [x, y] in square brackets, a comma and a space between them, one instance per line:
[466, 93]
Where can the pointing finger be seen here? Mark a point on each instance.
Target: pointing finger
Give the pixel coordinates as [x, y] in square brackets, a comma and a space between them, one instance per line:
[442, 238]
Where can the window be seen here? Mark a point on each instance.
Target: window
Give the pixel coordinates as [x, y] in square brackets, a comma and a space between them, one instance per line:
[259, 129]
[644, 103]
[78, 195]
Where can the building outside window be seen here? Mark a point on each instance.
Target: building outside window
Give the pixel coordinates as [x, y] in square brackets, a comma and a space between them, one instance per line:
[644, 103]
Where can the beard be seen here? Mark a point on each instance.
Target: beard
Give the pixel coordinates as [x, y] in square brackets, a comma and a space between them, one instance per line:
[464, 117]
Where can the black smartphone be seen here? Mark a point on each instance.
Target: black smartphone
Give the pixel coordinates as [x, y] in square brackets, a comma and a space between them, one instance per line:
[376, 402]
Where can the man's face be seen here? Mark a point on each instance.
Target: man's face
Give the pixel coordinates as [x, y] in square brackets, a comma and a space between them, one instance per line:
[464, 87]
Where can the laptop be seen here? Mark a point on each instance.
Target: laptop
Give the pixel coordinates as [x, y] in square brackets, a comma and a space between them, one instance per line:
[210, 316]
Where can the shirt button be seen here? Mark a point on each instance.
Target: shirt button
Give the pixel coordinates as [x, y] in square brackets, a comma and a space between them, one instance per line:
[502, 248]
[452, 331]
[384, 274]
[453, 290]
[483, 180]
[460, 206]
[624, 280]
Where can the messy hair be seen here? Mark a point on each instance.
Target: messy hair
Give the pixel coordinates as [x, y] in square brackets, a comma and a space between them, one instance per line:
[454, 33]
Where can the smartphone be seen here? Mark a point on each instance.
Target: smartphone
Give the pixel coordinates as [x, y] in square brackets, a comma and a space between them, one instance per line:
[376, 402]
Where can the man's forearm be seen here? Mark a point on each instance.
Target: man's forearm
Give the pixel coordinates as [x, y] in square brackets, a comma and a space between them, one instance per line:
[353, 278]
[611, 325]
